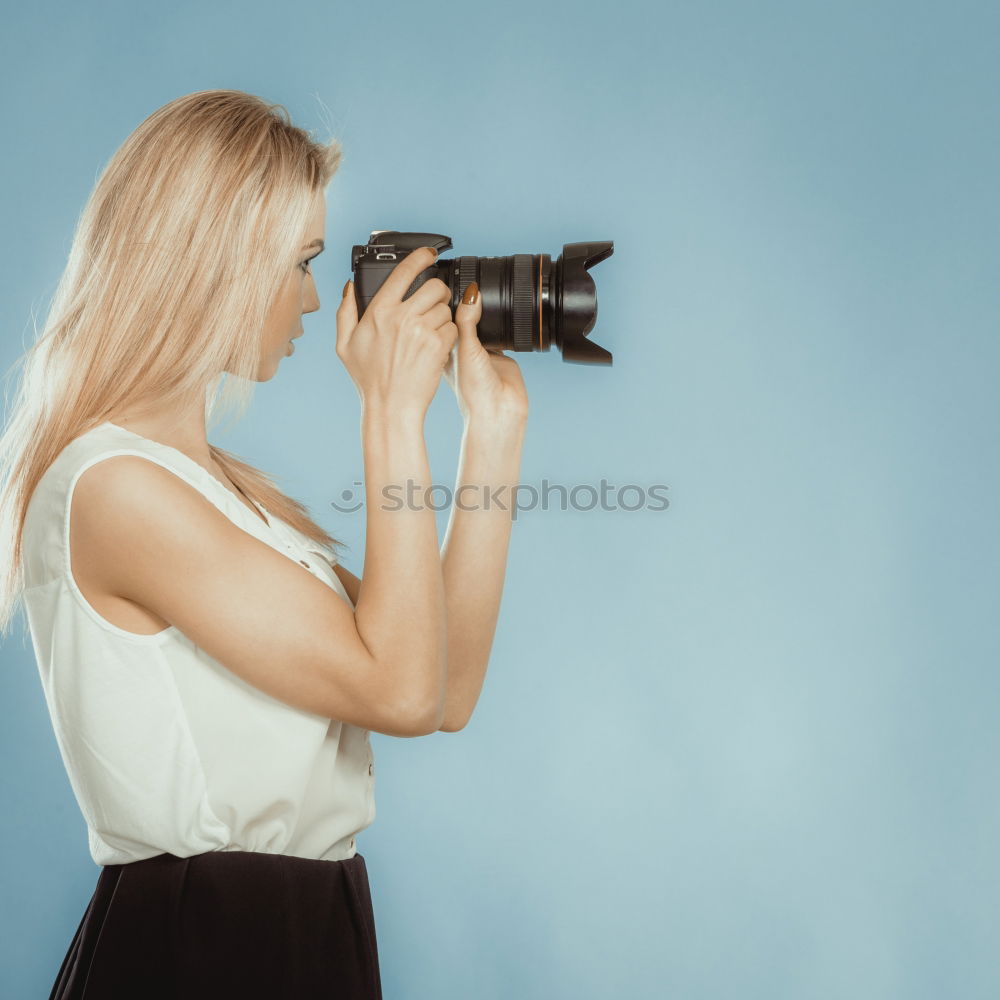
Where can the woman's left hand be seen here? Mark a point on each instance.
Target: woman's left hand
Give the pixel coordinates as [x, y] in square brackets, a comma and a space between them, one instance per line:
[487, 383]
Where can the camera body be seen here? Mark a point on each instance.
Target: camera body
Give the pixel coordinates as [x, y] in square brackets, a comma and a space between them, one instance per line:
[529, 302]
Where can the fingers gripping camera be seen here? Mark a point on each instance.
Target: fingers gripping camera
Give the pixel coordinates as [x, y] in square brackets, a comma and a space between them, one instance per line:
[529, 302]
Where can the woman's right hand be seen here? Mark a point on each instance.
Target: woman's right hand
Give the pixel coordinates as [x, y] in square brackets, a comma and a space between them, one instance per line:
[397, 352]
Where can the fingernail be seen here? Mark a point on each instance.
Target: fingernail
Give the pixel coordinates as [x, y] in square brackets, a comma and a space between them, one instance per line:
[433, 251]
[471, 296]
[347, 288]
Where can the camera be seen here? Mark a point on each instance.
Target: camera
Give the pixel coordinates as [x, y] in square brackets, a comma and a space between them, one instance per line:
[529, 302]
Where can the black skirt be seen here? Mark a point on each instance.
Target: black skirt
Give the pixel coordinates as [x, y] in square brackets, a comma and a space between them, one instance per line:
[227, 924]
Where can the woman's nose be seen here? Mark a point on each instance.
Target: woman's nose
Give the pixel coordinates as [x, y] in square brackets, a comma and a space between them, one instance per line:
[310, 302]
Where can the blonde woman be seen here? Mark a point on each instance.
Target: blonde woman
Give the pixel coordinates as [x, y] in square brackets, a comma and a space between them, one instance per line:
[211, 670]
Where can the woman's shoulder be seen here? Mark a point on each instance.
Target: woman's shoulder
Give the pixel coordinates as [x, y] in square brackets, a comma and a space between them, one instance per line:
[45, 535]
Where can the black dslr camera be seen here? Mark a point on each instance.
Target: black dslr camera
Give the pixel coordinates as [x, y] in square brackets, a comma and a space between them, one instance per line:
[529, 303]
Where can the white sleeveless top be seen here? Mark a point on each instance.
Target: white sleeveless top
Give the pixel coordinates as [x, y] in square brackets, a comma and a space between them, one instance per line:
[166, 749]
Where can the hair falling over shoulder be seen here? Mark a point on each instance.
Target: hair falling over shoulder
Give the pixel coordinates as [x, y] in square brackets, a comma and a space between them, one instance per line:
[179, 250]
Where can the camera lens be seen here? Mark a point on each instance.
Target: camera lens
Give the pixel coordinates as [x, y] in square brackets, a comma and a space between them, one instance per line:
[531, 303]
[512, 289]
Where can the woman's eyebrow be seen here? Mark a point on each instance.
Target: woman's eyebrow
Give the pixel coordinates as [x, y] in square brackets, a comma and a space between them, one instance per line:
[315, 243]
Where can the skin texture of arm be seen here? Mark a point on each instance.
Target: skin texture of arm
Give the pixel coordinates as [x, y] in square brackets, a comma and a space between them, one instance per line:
[140, 533]
[351, 583]
[474, 560]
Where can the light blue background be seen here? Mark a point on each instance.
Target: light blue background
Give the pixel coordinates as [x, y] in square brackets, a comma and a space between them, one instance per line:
[743, 747]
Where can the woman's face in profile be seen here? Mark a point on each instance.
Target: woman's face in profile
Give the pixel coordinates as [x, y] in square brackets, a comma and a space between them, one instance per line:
[297, 296]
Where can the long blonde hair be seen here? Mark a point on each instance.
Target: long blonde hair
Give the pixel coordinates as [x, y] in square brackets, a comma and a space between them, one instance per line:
[185, 240]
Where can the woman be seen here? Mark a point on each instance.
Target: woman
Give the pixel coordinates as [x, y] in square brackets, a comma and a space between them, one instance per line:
[211, 670]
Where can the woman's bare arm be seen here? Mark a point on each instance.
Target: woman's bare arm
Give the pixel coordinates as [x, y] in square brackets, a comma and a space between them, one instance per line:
[144, 534]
